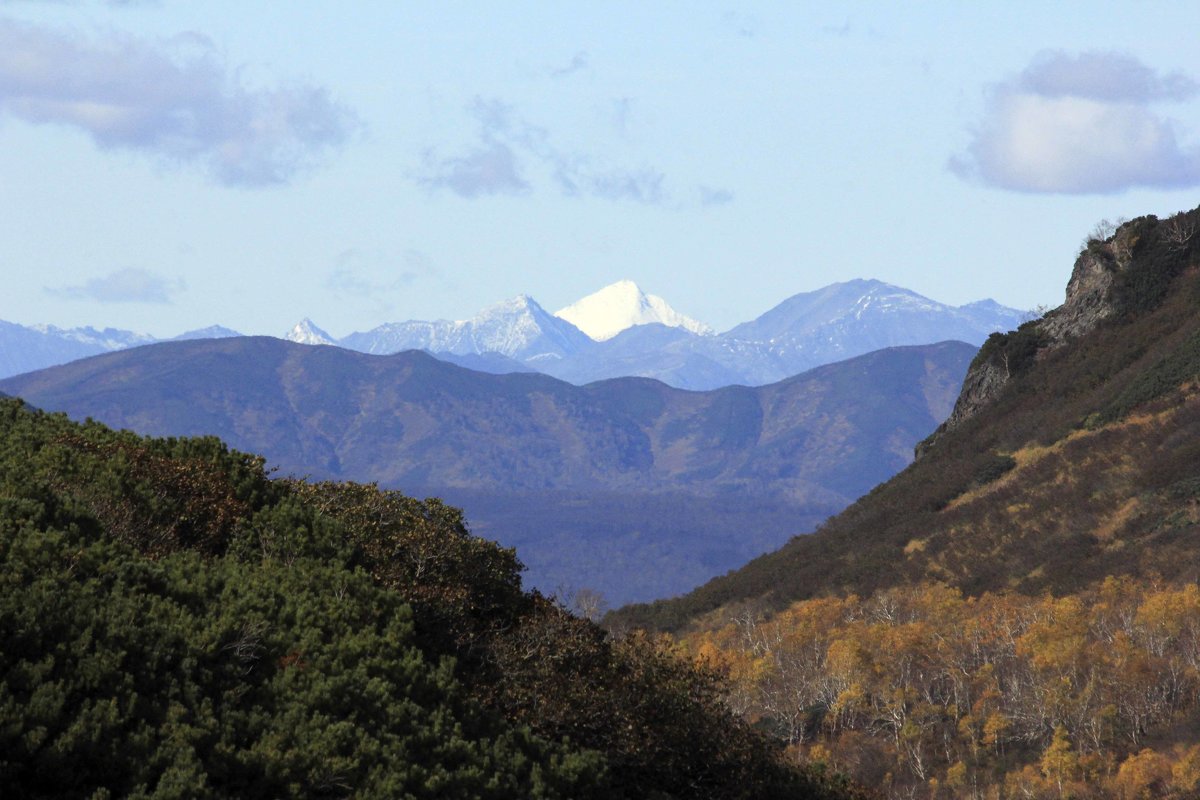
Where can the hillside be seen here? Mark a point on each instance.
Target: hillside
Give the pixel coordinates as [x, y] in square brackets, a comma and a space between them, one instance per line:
[1015, 615]
[173, 623]
[1071, 454]
[625, 486]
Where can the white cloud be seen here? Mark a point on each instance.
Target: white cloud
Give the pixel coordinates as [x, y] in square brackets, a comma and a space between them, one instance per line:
[1103, 76]
[1081, 124]
[171, 99]
[123, 286]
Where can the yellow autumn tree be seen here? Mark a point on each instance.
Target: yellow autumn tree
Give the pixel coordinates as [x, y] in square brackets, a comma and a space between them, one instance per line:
[1143, 776]
[1060, 762]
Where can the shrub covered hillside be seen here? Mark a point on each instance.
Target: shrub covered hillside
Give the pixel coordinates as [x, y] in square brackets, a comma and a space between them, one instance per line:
[175, 624]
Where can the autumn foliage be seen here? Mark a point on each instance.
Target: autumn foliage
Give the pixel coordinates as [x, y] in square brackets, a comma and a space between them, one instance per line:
[930, 694]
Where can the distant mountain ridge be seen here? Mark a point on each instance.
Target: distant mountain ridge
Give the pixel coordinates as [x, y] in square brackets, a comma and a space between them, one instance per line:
[517, 328]
[27, 348]
[639, 335]
[840, 321]
[634, 334]
[628, 486]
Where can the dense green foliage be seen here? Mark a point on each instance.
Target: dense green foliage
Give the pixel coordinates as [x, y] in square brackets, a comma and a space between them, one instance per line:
[1162, 250]
[1013, 352]
[186, 678]
[173, 623]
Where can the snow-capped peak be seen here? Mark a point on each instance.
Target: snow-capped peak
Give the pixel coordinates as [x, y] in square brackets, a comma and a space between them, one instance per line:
[621, 305]
[305, 332]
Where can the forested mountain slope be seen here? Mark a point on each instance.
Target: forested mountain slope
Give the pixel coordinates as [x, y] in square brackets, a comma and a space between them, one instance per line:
[412, 420]
[173, 623]
[626, 486]
[1073, 454]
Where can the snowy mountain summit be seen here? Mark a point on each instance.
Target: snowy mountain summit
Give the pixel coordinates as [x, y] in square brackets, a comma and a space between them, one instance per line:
[305, 332]
[517, 328]
[604, 314]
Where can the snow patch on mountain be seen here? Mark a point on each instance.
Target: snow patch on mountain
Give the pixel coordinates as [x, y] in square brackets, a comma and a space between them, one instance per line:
[620, 306]
[305, 332]
[211, 332]
[107, 339]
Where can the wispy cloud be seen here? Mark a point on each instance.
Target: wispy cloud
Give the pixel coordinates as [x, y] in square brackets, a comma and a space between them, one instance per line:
[642, 186]
[123, 286]
[578, 63]
[743, 24]
[841, 31]
[508, 145]
[1082, 124]
[710, 196]
[170, 99]
[488, 168]
[356, 274]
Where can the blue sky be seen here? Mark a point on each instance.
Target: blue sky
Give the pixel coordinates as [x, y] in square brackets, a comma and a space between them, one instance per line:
[167, 166]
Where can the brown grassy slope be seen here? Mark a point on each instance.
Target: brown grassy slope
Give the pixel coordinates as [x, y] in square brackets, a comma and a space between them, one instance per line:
[1086, 463]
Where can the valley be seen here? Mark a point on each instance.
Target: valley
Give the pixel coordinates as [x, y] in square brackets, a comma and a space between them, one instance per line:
[644, 401]
[627, 486]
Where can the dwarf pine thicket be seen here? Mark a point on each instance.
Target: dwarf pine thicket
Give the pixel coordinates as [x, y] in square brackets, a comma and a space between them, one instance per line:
[174, 623]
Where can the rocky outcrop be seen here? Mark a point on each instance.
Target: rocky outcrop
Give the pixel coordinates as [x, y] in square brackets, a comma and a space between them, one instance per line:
[1090, 300]
[980, 387]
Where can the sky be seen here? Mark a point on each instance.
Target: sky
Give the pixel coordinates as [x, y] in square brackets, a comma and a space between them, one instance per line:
[165, 166]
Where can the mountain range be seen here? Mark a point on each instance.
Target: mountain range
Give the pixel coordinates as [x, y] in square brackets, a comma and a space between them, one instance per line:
[628, 486]
[634, 334]
[27, 348]
[618, 331]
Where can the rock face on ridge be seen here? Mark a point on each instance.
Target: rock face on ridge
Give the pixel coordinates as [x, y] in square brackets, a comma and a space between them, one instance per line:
[1092, 296]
